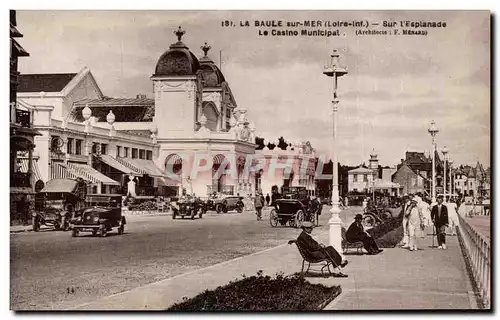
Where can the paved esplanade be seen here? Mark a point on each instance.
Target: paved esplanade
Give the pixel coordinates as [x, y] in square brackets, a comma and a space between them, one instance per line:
[46, 264]
[396, 279]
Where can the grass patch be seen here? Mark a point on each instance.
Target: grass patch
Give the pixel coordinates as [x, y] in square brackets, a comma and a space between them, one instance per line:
[262, 293]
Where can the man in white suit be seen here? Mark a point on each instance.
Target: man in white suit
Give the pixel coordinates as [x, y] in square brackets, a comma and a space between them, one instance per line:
[404, 210]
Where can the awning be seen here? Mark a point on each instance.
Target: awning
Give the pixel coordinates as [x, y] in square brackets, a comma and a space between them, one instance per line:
[112, 162]
[24, 163]
[219, 158]
[88, 173]
[60, 185]
[142, 166]
[173, 159]
[59, 171]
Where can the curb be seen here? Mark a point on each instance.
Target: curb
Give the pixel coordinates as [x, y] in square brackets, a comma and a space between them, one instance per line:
[28, 230]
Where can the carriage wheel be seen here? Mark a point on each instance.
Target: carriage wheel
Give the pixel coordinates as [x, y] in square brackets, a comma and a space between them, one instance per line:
[369, 222]
[273, 218]
[299, 218]
[312, 217]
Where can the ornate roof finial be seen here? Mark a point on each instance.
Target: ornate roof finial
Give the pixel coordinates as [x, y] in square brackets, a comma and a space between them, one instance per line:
[179, 33]
[206, 48]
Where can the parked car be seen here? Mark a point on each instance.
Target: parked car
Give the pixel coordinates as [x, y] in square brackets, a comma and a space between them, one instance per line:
[230, 203]
[293, 209]
[102, 213]
[58, 200]
[188, 206]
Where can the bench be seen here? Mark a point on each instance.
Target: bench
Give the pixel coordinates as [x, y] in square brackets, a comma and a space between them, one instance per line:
[306, 257]
[346, 245]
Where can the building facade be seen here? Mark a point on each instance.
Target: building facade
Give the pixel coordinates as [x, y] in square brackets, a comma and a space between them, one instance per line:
[22, 137]
[192, 137]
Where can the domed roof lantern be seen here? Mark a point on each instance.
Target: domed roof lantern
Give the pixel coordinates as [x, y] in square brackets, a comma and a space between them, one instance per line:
[178, 60]
[373, 154]
[211, 74]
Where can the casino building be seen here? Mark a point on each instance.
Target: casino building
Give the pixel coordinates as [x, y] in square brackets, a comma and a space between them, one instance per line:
[128, 145]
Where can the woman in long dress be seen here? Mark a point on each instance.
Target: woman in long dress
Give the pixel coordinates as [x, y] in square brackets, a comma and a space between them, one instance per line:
[452, 217]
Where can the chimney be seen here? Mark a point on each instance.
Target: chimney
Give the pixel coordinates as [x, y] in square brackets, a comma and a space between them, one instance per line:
[141, 96]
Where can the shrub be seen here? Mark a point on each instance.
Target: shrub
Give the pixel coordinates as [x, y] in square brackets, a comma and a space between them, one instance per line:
[262, 293]
[385, 227]
[390, 239]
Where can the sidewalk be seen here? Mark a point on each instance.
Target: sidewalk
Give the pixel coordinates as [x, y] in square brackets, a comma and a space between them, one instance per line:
[28, 228]
[395, 279]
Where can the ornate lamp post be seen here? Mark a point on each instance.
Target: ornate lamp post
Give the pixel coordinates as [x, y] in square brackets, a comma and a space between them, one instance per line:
[433, 130]
[445, 152]
[451, 183]
[335, 70]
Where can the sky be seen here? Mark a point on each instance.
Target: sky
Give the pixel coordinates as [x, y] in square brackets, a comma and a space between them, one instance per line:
[395, 86]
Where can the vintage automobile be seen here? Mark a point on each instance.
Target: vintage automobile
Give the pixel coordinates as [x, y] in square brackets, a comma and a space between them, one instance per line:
[373, 216]
[214, 202]
[231, 203]
[101, 214]
[57, 201]
[293, 209]
[188, 206]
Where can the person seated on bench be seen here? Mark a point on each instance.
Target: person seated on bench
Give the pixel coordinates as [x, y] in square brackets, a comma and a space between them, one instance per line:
[318, 250]
[355, 233]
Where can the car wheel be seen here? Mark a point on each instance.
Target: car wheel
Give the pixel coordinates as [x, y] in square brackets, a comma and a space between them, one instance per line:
[239, 209]
[299, 218]
[273, 218]
[174, 214]
[75, 233]
[121, 229]
[224, 209]
[218, 208]
[57, 227]
[36, 226]
[368, 221]
[94, 232]
[103, 232]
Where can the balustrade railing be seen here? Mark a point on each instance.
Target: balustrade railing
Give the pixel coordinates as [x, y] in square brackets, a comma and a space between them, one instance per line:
[478, 252]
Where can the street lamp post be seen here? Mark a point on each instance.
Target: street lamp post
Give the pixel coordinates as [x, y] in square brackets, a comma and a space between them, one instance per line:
[334, 70]
[445, 152]
[451, 182]
[433, 130]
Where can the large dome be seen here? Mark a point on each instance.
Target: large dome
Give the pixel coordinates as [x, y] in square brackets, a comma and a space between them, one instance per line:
[178, 60]
[211, 74]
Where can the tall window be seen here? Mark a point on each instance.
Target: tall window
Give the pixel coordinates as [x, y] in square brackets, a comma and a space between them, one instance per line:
[69, 146]
[134, 153]
[149, 155]
[142, 154]
[365, 178]
[118, 151]
[125, 152]
[258, 180]
[355, 177]
[78, 147]
[104, 148]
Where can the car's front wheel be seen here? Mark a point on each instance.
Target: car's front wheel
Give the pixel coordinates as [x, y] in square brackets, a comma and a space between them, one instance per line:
[299, 218]
[74, 233]
[36, 226]
[103, 231]
[121, 229]
[273, 218]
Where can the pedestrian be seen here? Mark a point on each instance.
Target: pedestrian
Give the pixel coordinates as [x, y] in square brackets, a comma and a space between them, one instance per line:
[356, 233]
[404, 212]
[451, 207]
[415, 221]
[268, 198]
[259, 203]
[317, 249]
[439, 215]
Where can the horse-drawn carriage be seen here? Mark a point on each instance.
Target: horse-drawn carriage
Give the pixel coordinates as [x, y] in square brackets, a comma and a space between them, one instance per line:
[373, 215]
[294, 208]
